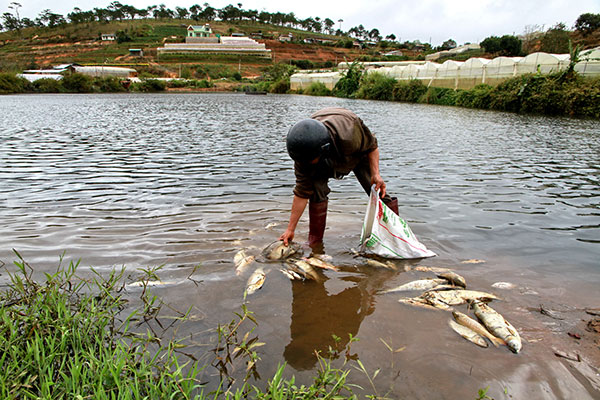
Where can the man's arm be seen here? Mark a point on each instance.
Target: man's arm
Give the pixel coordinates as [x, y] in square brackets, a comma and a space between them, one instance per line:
[298, 206]
[375, 176]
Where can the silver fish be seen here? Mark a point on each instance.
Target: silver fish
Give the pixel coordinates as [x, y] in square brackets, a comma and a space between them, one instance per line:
[421, 284]
[278, 251]
[437, 270]
[456, 297]
[241, 261]
[307, 270]
[379, 264]
[454, 278]
[415, 301]
[468, 334]
[316, 262]
[256, 280]
[497, 325]
[291, 274]
[475, 326]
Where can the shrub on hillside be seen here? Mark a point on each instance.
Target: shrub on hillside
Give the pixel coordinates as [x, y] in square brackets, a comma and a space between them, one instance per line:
[439, 96]
[409, 91]
[478, 97]
[47, 85]
[376, 86]
[108, 85]
[317, 89]
[349, 81]
[10, 83]
[77, 83]
[281, 85]
[149, 85]
[583, 99]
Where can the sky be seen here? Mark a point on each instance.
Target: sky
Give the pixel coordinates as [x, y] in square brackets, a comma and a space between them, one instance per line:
[430, 21]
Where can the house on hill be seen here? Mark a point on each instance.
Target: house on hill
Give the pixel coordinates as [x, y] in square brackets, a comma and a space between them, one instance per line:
[199, 31]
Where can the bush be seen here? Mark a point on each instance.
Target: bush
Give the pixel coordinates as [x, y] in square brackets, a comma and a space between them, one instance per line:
[583, 99]
[108, 84]
[10, 83]
[317, 89]
[203, 83]
[410, 91]
[376, 86]
[77, 83]
[439, 96]
[280, 86]
[150, 85]
[478, 97]
[47, 85]
[349, 81]
[177, 83]
[303, 64]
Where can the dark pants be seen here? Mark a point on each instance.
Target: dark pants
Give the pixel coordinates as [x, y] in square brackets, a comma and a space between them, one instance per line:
[362, 171]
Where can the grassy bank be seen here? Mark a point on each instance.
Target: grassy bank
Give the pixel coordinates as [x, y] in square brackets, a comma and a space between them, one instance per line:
[557, 94]
[72, 338]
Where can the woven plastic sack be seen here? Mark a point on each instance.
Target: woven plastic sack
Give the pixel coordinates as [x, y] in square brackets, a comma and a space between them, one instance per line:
[387, 235]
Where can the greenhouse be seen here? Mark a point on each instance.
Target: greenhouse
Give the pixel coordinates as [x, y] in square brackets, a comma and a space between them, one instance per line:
[543, 63]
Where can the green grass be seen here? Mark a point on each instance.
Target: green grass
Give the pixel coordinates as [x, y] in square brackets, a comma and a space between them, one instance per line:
[64, 337]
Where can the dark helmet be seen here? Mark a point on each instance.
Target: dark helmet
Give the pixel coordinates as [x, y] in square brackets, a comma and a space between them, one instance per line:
[307, 140]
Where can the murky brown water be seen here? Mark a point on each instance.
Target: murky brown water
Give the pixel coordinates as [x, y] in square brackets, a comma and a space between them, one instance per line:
[188, 180]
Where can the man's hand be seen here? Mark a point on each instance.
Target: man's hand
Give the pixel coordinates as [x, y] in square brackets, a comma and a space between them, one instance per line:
[377, 180]
[287, 236]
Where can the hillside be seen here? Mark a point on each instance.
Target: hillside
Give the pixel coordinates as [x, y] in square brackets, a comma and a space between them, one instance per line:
[80, 43]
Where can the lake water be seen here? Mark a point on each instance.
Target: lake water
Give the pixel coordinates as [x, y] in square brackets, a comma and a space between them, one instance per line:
[187, 180]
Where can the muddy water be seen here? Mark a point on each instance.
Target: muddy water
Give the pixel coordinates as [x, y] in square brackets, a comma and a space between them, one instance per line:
[185, 181]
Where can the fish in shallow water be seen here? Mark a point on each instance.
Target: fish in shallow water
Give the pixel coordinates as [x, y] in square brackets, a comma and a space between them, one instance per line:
[497, 325]
[453, 278]
[305, 269]
[241, 261]
[415, 301]
[475, 326]
[316, 262]
[278, 251]
[256, 280]
[291, 274]
[421, 284]
[468, 334]
[455, 297]
[379, 264]
[437, 270]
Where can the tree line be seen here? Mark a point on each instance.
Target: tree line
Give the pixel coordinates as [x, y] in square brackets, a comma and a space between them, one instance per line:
[116, 11]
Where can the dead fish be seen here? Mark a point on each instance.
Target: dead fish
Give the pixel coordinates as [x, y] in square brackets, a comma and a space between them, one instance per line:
[241, 261]
[468, 334]
[456, 297]
[379, 264]
[475, 326]
[316, 262]
[443, 287]
[550, 313]
[307, 270]
[271, 225]
[415, 301]
[421, 284]
[437, 270]
[454, 278]
[149, 284]
[279, 251]
[503, 285]
[256, 280]
[473, 261]
[497, 325]
[291, 274]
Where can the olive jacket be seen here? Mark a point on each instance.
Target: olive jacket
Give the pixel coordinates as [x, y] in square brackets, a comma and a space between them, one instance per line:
[351, 142]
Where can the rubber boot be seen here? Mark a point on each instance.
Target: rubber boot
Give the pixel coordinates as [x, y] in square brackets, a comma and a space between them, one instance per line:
[317, 217]
[393, 205]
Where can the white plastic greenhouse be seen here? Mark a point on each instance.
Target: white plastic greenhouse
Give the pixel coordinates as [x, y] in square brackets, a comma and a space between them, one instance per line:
[465, 75]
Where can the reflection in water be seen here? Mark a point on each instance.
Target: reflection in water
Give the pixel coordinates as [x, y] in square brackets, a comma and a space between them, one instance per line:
[318, 315]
